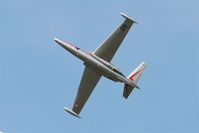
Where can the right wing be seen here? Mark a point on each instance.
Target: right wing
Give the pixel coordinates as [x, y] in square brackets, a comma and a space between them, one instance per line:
[88, 82]
[108, 48]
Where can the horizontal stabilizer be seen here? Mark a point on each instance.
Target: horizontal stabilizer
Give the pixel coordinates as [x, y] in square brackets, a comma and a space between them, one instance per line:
[71, 112]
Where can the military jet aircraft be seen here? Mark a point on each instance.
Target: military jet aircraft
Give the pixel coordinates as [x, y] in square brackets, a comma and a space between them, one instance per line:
[97, 64]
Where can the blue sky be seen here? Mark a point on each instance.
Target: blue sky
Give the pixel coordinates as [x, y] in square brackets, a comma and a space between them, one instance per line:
[38, 78]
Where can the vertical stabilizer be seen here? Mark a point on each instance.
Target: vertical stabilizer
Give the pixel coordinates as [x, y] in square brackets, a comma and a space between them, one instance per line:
[134, 76]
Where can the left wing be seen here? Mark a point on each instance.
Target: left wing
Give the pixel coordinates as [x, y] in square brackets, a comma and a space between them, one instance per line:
[108, 48]
[88, 82]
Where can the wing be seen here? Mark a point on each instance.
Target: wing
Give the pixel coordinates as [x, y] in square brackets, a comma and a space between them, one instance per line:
[88, 82]
[109, 47]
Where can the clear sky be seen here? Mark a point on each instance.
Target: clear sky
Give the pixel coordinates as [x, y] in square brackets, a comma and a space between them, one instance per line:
[38, 78]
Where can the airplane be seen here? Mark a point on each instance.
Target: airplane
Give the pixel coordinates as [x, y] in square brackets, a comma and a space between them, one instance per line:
[97, 64]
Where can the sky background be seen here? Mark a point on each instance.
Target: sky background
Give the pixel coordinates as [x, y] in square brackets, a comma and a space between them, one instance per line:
[38, 77]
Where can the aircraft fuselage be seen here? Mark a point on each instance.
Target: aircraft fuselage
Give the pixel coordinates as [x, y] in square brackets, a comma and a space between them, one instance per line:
[96, 63]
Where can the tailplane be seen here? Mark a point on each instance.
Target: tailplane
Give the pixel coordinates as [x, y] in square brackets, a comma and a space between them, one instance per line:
[134, 77]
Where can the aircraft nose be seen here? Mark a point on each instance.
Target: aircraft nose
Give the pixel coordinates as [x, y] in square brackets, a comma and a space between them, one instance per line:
[61, 43]
[56, 40]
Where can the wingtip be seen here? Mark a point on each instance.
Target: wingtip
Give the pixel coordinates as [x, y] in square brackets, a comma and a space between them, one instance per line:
[127, 17]
[72, 112]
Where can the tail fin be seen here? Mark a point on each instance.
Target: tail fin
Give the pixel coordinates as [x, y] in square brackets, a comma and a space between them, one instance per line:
[134, 76]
